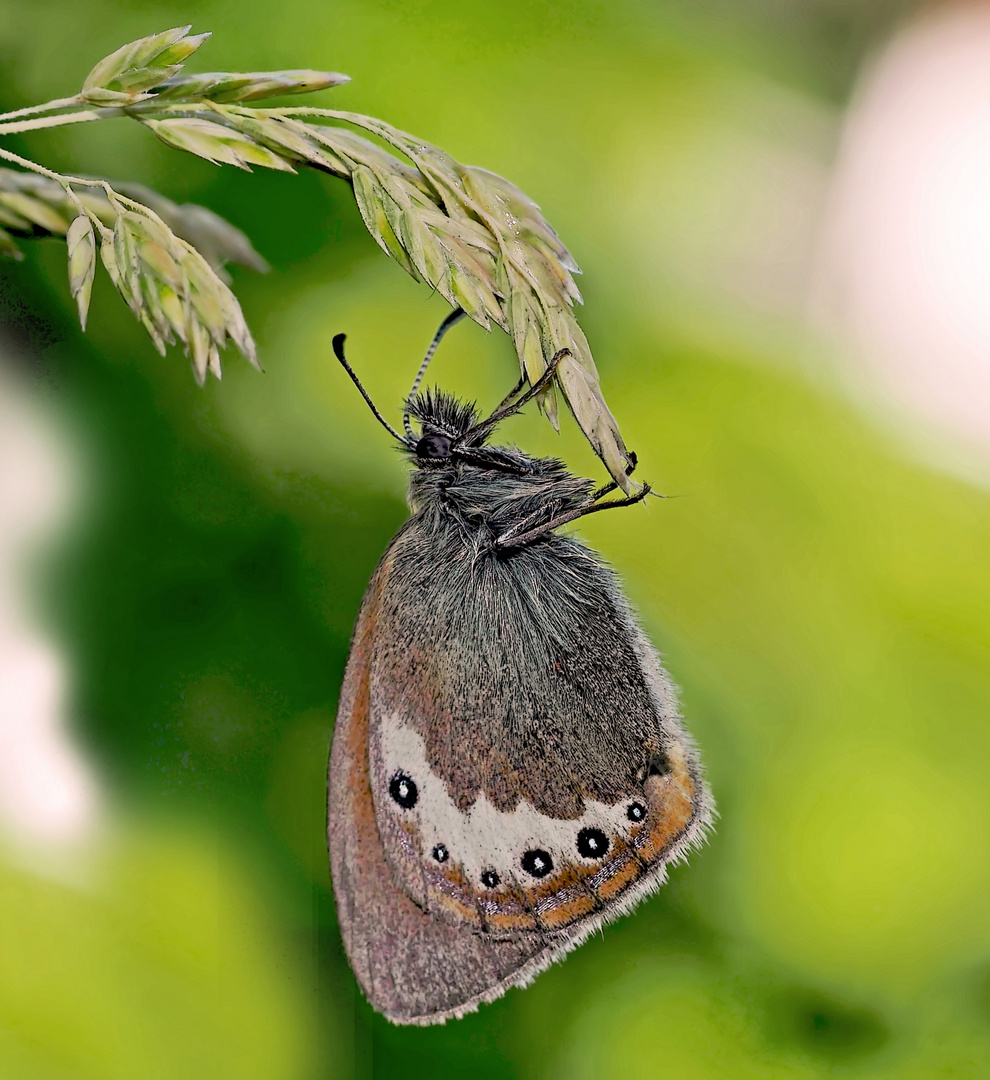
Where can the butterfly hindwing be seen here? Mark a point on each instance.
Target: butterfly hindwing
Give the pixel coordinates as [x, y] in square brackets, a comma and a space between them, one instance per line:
[412, 967]
[523, 773]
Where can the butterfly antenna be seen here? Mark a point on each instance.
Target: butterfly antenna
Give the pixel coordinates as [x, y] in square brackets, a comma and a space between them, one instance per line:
[454, 317]
[338, 351]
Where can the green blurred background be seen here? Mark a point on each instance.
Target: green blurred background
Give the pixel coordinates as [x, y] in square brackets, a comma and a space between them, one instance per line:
[822, 598]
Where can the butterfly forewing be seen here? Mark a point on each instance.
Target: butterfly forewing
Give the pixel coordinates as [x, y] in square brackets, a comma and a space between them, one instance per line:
[456, 874]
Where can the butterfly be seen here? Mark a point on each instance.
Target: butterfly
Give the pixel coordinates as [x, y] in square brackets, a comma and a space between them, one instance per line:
[509, 770]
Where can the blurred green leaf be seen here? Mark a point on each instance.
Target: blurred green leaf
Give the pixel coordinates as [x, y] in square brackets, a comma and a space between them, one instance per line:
[8, 248]
[161, 966]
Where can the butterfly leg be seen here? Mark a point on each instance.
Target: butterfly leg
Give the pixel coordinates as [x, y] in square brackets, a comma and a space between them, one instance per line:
[506, 541]
[504, 403]
[607, 489]
[527, 522]
[513, 407]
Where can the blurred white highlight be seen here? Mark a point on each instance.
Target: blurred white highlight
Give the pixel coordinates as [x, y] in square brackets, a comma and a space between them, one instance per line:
[46, 791]
[904, 273]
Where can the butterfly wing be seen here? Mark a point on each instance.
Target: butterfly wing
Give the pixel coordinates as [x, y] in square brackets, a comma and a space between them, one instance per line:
[411, 966]
[508, 772]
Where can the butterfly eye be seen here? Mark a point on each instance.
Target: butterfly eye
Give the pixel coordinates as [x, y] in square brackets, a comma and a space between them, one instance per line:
[403, 790]
[537, 863]
[433, 447]
[592, 843]
[636, 811]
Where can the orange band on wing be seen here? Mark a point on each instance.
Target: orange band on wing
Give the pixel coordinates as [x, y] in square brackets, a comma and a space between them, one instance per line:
[577, 890]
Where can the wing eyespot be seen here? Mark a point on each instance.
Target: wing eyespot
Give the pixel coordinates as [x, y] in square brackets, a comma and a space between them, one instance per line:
[537, 863]
[636, 811]
[402, 788]
[490, 879]
[592, 843]
[440, 853]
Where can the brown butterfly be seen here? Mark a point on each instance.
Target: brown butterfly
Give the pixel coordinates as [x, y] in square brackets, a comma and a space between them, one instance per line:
[509, 770]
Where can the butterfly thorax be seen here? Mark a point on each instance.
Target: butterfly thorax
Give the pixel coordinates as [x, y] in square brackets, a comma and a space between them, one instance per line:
[492, 500]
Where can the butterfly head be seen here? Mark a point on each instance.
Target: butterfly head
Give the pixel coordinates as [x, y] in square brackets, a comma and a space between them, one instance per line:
[454, 463]
[444, 420]
[451, 437]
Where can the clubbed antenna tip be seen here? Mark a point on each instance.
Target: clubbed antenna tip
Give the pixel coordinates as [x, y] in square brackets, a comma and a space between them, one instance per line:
[338, 351]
